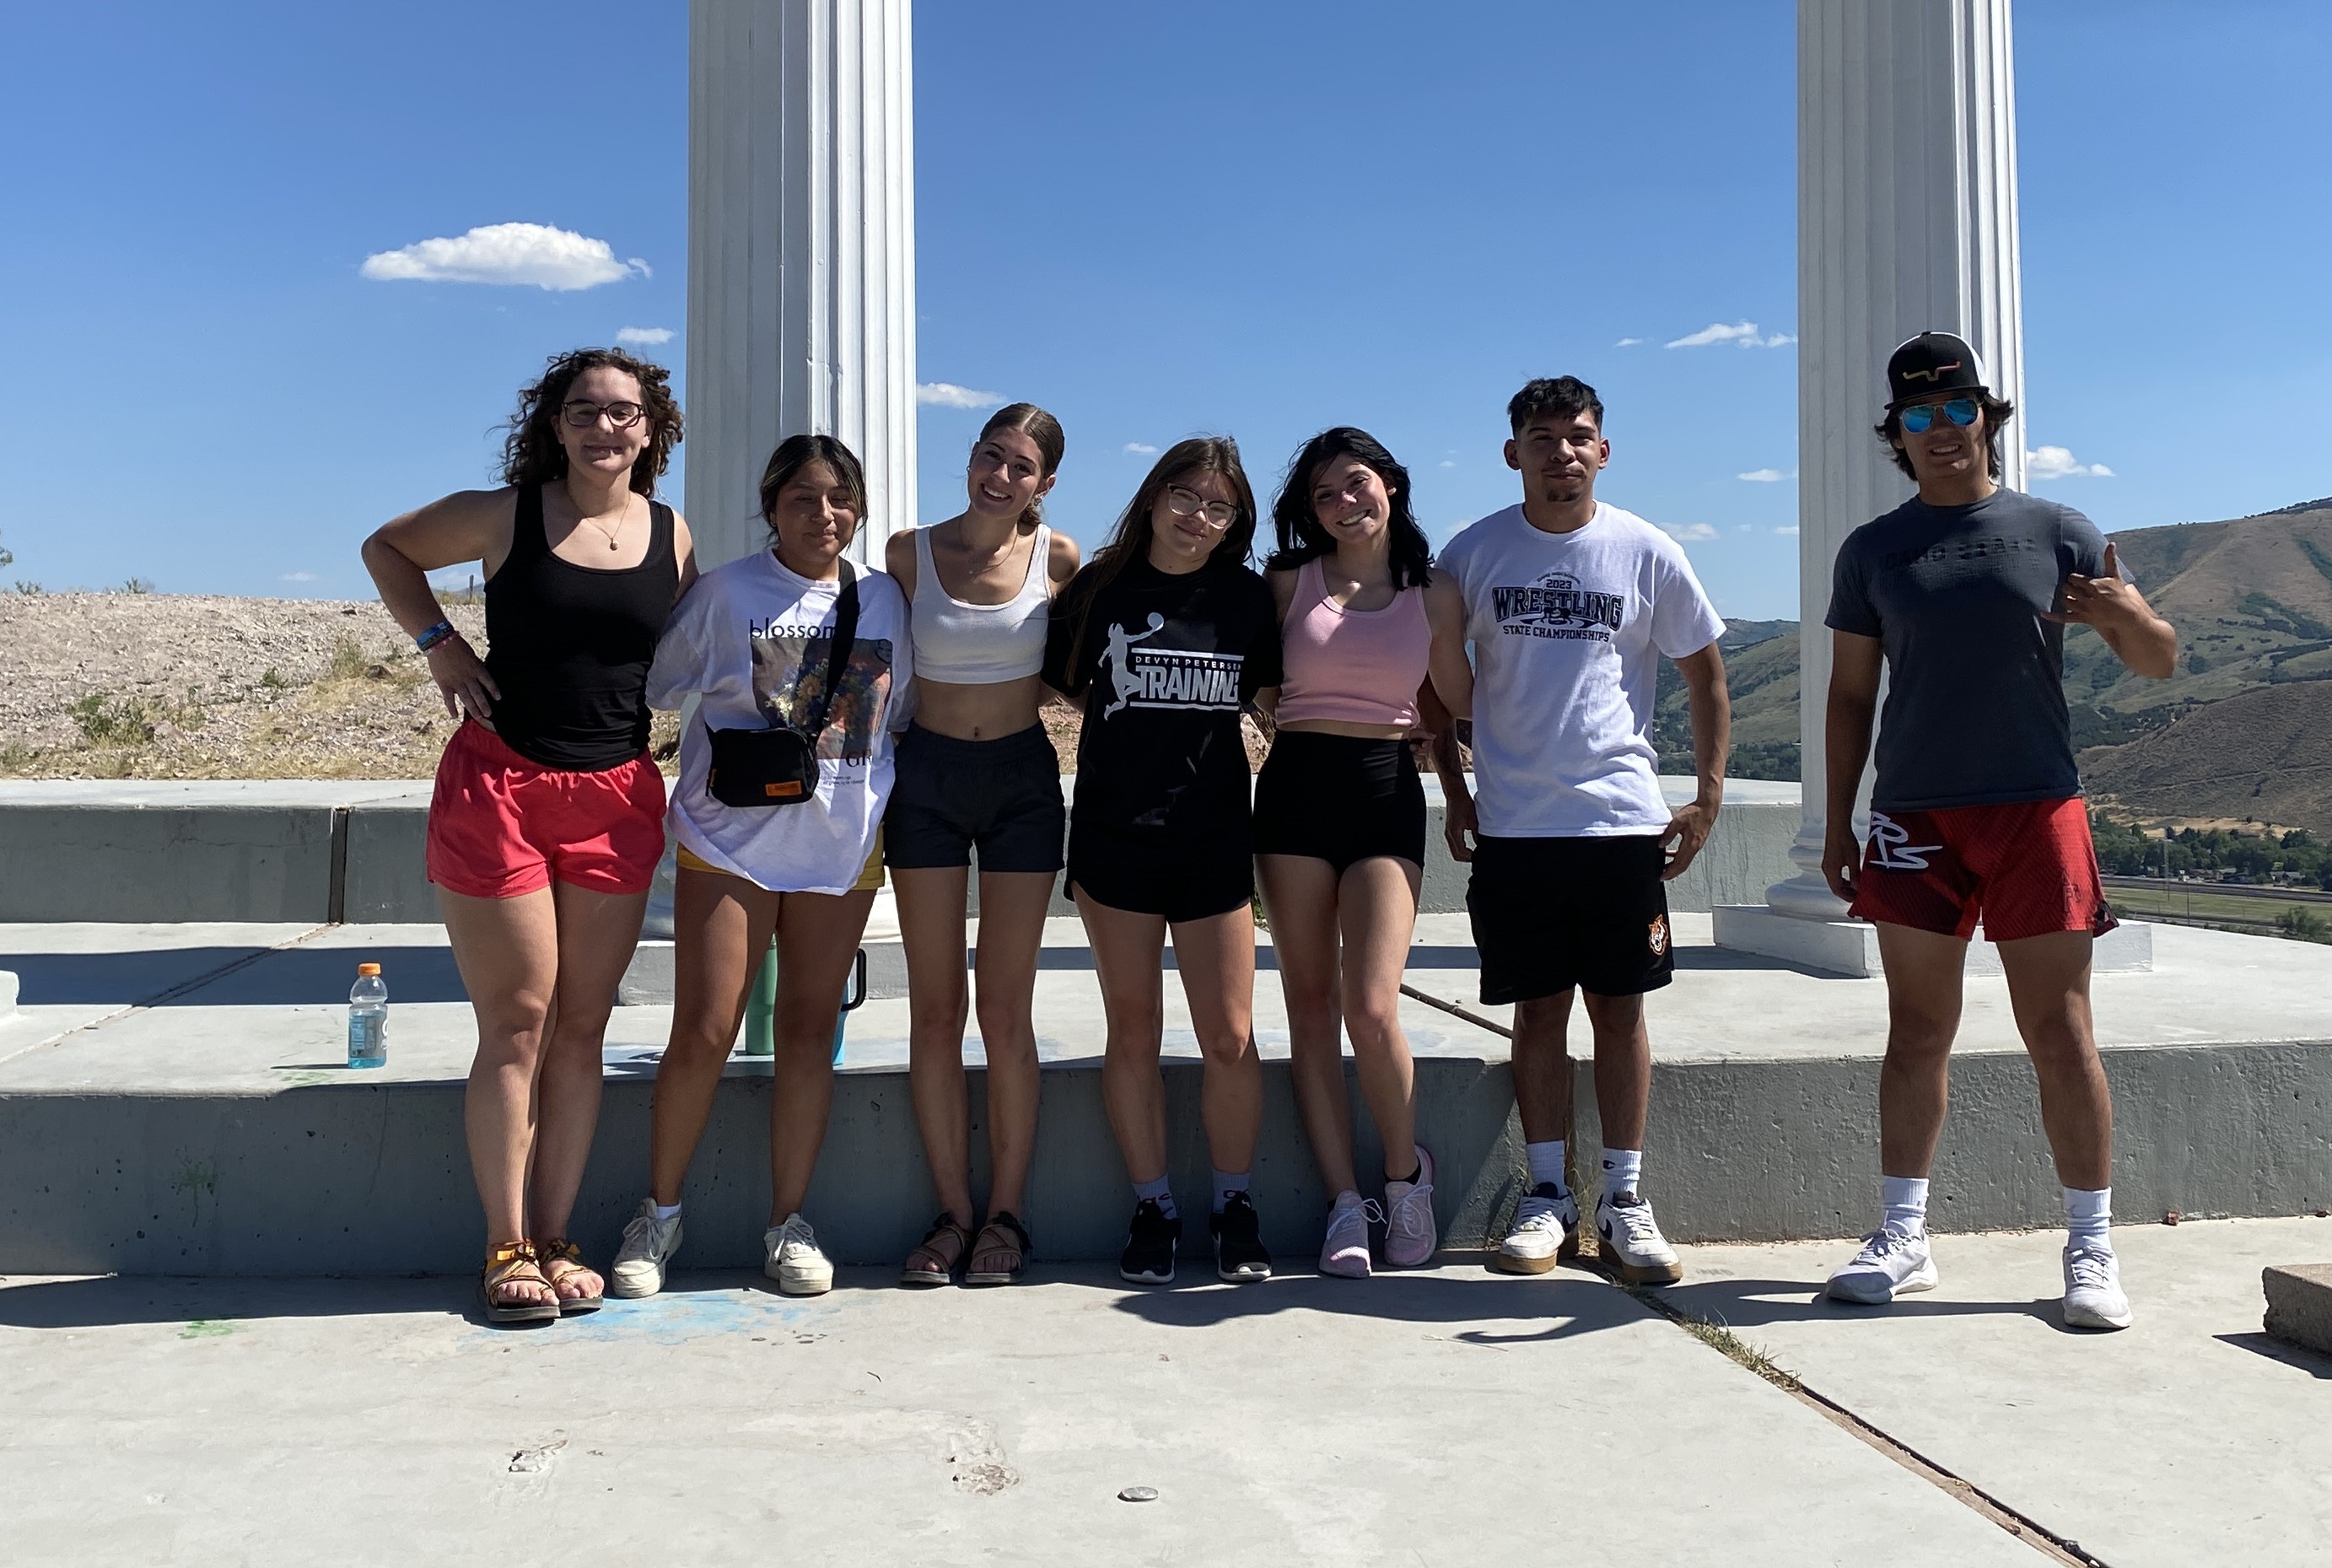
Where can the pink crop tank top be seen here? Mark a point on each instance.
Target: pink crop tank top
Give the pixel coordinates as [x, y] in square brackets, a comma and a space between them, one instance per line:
[1352, 666]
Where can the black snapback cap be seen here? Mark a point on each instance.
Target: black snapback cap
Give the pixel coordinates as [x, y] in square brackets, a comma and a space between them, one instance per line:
[1932, 362]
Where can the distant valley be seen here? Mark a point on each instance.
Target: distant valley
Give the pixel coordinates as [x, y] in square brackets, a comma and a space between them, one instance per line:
[2243, 731]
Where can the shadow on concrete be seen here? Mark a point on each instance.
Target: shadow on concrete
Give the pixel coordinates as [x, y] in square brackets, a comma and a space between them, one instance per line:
[1569, 1304]
[210, 1307]
[1743, 1304]
[2277, 1349]
[200, 977]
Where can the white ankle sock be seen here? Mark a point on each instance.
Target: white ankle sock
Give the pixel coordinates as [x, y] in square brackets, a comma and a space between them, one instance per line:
[664, 1212]
[1546, 1164]
[2089, 1216]
[1906, 1198]
[1623, 1171]
[1157, 1192]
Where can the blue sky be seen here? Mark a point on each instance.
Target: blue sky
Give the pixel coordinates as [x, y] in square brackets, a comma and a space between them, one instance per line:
[1153, 218]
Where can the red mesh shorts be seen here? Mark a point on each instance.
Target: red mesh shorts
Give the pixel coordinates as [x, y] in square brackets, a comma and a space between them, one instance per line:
[2027, 868]
[501, 825]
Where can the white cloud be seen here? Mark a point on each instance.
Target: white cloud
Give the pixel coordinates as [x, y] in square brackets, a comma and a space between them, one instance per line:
[1767, 475]
[1688, 531]
[644, 336]
[1741, 527]
[299, 576]
[1787, 527]
[1741, 334]
[1448, 462]
[2058, 462]
[948, 394]
[1627, 343]
[535, 254]
[1141, 449]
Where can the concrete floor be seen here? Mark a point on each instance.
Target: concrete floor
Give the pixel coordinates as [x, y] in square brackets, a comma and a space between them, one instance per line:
[2190, 1437]
[1445, 1416]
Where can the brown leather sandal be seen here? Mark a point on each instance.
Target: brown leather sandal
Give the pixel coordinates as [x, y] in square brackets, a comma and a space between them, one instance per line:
[562, 1260]
[1000, 1255]
[510, 1264]
[933, 1261]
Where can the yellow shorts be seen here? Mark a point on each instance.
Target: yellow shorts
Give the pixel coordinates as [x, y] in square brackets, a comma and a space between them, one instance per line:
[870, 875]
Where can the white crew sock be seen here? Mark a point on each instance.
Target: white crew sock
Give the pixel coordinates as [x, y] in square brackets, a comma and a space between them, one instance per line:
[2089, 1217]
[1906, 1198]
[1623, 1171]
[666, 1211]
[1226, 1183]
[1157, 1192]
[1546, 1165]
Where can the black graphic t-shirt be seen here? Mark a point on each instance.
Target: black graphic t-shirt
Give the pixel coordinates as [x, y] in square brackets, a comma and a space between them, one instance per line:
[1168, 660]
[1976, 700]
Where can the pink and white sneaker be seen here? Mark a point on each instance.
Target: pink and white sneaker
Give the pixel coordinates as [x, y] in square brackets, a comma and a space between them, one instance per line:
[1410, 1234]
[1344, 1252]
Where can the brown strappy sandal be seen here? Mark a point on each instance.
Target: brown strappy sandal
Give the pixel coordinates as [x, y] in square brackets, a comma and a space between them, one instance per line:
[561, 1260]
[512, 1263]
[934, 1259]
[1001, 1253]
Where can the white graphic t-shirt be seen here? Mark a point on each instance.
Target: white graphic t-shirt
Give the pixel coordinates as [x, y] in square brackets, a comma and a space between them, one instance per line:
[753, 638]
[1567, 632]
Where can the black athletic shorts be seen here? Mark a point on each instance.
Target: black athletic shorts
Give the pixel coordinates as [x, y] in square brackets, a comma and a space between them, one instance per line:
[949, 795]
[1551, 913]
[1340, 798]
[1181, 882]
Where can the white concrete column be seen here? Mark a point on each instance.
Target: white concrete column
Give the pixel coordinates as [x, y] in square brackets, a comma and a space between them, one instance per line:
[1906, 221]
[801, 254]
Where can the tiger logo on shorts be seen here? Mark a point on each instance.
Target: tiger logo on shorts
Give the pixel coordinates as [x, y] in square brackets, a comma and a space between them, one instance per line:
[1657, 938]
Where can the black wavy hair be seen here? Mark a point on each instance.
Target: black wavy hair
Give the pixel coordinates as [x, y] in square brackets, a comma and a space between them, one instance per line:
[1300, 537]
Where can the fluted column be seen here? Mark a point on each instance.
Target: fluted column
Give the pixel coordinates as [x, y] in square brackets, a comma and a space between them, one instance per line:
[801, 253]
[1906, 221]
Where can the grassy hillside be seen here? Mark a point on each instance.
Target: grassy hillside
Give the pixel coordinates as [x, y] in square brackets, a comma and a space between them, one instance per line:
[2243, 729]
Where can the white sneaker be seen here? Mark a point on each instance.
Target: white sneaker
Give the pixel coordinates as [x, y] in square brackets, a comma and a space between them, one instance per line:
[648, 1246]
[1545, 1230]
[1632, 1242]
[2093, 1293]
[1410, 1234]
[1891, 1264]
[1344, 1251]
[795, 1261]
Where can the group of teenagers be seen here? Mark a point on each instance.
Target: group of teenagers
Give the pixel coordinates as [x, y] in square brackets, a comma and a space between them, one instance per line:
[850, 725]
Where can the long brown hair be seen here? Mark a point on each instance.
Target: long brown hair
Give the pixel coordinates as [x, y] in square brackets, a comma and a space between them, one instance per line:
[1130, 540]
[1044, 430]
[532, 454]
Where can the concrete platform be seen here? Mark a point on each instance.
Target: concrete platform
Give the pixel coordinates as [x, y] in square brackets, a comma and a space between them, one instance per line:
[172, 1100]
[2299, 1304]
[1433, 1417]
[2190, 1437]
[329, 850]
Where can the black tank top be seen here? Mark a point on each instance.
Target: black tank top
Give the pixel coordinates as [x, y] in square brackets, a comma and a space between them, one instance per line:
[569, 646]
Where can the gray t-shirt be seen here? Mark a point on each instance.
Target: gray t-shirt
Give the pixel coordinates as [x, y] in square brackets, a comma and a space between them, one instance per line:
[1976, 700]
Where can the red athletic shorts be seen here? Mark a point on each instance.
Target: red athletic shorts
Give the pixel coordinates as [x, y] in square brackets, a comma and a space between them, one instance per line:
[501, 825]
[2027, 868]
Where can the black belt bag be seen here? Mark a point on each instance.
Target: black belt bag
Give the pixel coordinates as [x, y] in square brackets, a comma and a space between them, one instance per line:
[778, 765]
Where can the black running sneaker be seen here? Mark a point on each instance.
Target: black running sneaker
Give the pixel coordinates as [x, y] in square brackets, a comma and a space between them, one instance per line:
[1239, 1257]
[1151, 1242]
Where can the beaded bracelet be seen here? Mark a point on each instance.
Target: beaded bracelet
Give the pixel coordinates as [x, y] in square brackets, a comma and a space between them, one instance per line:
[433, 636]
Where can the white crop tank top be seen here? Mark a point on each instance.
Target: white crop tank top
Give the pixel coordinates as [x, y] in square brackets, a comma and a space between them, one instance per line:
[968, 644]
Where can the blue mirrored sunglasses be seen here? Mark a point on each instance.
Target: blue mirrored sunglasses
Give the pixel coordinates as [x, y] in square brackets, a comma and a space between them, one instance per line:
[1960, 411]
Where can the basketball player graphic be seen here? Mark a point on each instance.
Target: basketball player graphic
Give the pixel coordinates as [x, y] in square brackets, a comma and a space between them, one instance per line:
[1119, 656]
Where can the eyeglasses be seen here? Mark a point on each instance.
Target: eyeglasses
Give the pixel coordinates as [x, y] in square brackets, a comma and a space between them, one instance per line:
[1184, 502]
[583, 414]
[1960, 411]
